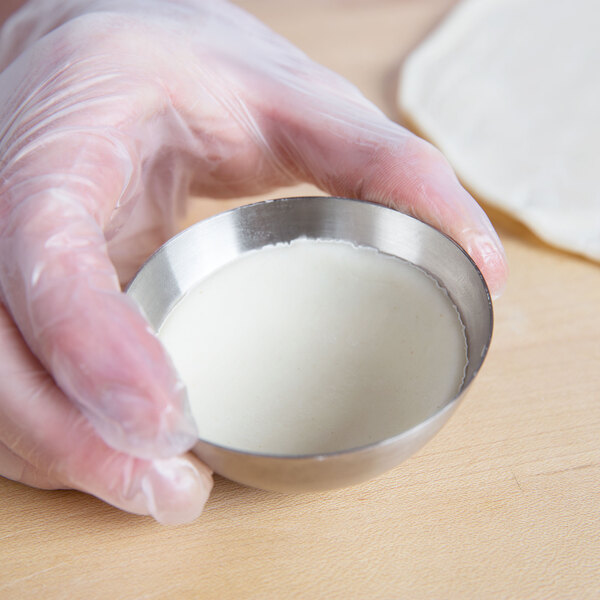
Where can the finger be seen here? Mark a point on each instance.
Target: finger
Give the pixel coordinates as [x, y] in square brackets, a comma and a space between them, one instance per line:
[403, 172]
[46, 442]
[62, 290]
[330, 135]
[173, 491]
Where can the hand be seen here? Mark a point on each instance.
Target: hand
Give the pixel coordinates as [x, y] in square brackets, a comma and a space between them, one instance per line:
[111, 112]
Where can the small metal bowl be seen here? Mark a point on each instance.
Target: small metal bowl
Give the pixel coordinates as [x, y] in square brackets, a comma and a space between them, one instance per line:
[209, 245]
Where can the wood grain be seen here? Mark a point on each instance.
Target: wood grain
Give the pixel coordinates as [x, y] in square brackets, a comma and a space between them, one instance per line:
[503, 503]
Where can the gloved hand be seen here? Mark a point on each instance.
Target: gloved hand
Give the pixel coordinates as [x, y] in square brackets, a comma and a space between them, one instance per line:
[111, 111]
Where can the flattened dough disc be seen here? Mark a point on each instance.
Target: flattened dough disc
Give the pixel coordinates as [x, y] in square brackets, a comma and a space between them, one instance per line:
[509, 90]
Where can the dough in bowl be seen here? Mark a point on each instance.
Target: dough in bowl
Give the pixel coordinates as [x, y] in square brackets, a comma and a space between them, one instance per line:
[509, 90]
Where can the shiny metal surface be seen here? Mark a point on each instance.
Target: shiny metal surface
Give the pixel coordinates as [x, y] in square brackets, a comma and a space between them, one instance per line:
[205, 247]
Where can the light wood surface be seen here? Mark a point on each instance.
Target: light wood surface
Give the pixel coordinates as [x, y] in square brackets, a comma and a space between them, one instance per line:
[504, 502]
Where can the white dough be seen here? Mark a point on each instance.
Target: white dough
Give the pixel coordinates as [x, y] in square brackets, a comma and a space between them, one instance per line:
[313, 347]
[509, 90]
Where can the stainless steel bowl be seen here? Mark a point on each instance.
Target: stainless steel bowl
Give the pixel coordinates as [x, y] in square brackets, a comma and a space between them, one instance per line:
[209, 245]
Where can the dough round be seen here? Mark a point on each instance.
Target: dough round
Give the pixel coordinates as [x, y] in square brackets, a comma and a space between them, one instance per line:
[509, 90]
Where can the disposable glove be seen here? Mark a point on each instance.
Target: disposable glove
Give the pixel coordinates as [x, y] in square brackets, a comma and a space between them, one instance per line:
[111, 114]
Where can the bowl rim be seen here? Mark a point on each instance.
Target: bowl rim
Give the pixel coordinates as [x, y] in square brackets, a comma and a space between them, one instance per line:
[447, 407]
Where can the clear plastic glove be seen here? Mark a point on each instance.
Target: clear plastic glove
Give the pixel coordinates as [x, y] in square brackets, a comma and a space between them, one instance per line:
[111, 112]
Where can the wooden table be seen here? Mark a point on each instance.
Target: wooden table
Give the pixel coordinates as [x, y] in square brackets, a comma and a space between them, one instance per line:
[504, 502]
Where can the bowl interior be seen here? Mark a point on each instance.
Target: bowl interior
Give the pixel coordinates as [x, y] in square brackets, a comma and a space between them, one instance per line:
[207, 246]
